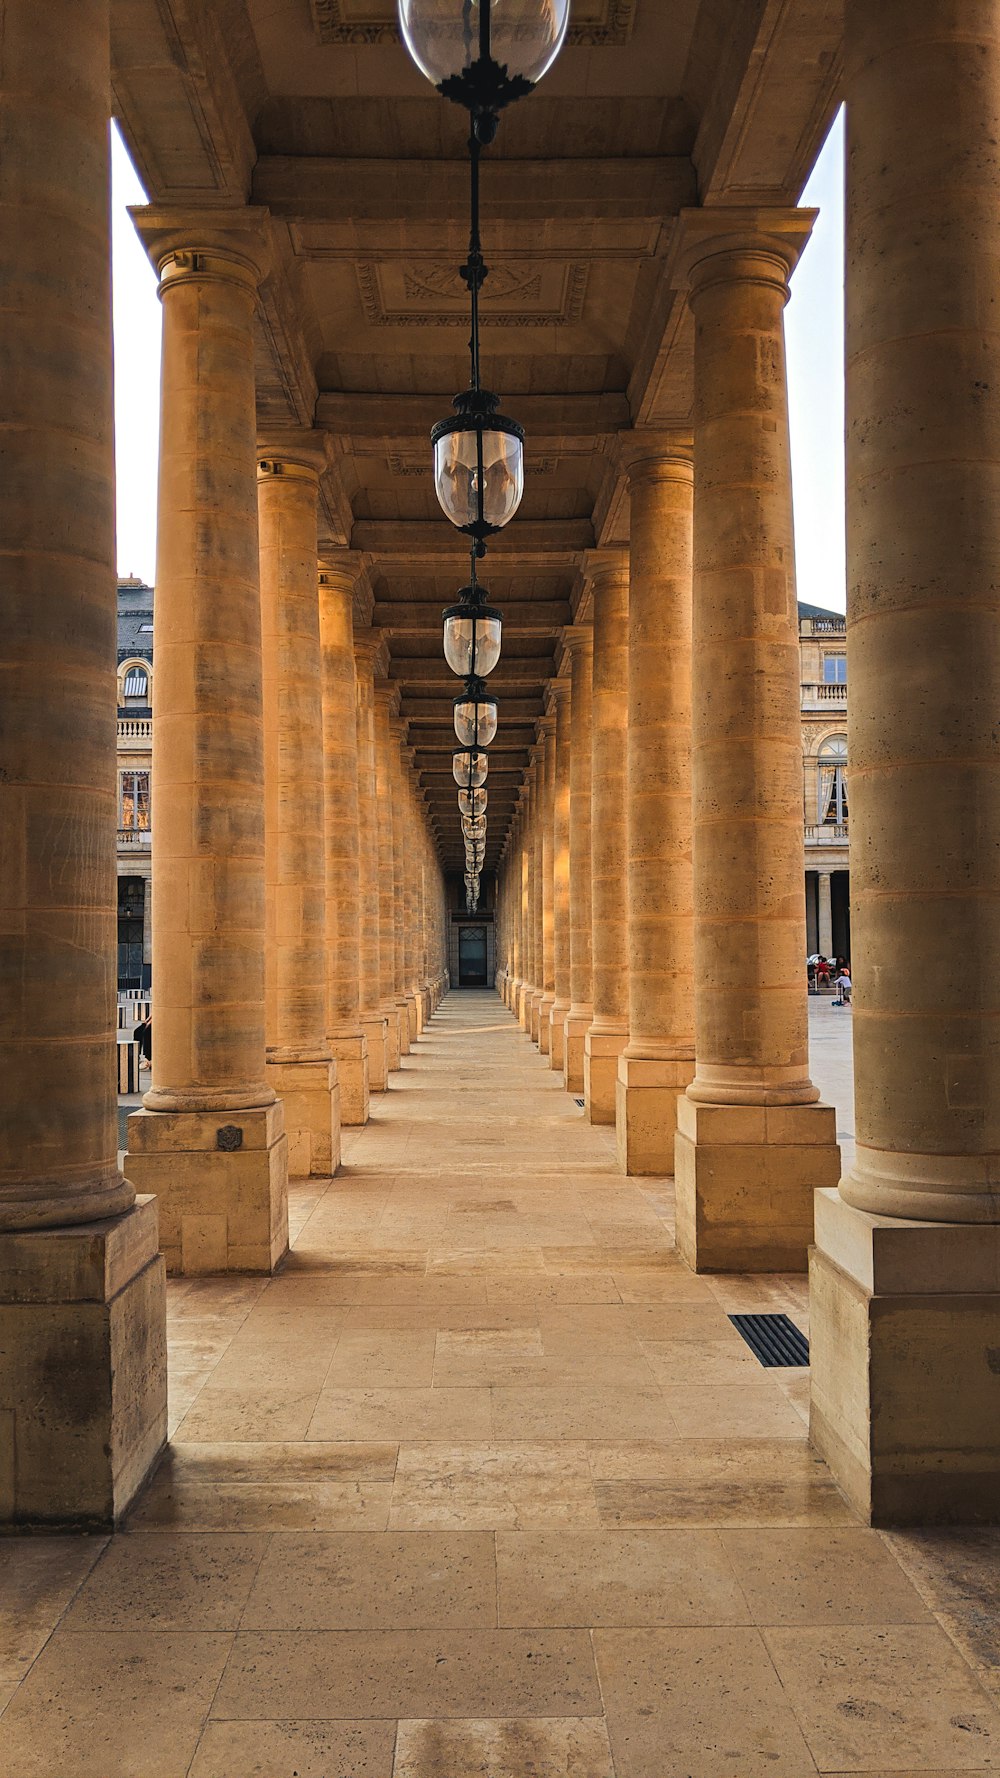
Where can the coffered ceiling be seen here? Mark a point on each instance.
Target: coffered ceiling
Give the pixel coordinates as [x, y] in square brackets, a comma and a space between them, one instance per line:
[312, 110]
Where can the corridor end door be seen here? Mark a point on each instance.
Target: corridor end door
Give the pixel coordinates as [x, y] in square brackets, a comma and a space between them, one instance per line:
[472, 957]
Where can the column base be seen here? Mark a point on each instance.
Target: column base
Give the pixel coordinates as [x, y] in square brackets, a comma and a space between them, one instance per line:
[905, 1381]
[311, 1097]
[391, 1016]
[646, 1096]
[414, 1014]
[404, 1026]
[533, 1009]
[745, 1178]
[83, 1370]
[351, 1057]
[376, 1036]
[601, 1050]
[545, 1006]
[524, 992]
[223, 1208]
[574, 1037]
[557, 1035]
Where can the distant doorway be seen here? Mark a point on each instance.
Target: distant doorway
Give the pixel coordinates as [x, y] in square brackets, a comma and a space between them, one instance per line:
[472, 956]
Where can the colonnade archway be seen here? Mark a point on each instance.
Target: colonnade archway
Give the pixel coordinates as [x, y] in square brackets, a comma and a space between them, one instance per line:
[645, 843]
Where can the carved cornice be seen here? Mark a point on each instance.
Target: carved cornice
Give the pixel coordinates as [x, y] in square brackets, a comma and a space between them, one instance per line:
[338, 21]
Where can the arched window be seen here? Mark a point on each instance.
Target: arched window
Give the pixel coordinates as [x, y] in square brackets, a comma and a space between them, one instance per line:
[135, 689]
[832, 810]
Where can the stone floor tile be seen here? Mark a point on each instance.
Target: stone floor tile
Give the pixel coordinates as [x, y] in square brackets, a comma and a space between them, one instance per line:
[412, 1580]
[485, 1486]
[403, 1414]
[668, 1285]
[957, 1572]
[296, 1750]
[112, 1705]
[859, 1692]
[249, 1414]
[160, 1581]
[536, 1747]
[596, 1329]
[823, 1576]
[680, 1361]
[39, 1577]
[416, 1673]
[261, 1487]
[576, 1411]
[617, 1578]
[704, 1703]
[533, 1287]
[744, 1412]
[625, 1372]
[386, 1359]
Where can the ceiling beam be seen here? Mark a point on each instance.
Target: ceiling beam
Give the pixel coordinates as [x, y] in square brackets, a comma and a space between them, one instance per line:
[388, 418]
[521, 617]
[401, 540]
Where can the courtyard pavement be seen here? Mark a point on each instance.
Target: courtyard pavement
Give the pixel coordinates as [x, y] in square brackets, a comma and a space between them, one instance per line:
[485, 1485]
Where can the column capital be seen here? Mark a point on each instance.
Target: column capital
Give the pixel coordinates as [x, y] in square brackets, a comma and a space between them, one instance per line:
[752, 243]
[577, 636]
[651, 454]
[340, 567]
[369, 649]
[557, 689]
[196, 245]
[296, 452]
[387, 692]
[605, 564]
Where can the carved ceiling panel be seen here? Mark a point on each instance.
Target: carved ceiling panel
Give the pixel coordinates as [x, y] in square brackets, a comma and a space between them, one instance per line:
[426, 293]
[596, 24]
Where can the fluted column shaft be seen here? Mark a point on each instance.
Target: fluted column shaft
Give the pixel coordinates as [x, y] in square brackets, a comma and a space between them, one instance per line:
[580, 642]
[547, 1000]
[343, 845]
[299, 1064]
[608, 1031]
[744, 1184]
[905, 1274]
[222, 1207]
[373, 1019]
[560, 877]
[658, 1061]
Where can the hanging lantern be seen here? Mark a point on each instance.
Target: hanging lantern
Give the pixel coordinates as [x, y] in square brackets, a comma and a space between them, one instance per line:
[478, 465]
[472, 802]
[472, 633]
[469, 769]
[475, 715]
[474, 827]
[484, 57]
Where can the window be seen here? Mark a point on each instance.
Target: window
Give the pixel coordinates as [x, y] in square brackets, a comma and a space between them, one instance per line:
[145, 629]
[835, 669]
[136, 687]
[133, 801]
[833, 782]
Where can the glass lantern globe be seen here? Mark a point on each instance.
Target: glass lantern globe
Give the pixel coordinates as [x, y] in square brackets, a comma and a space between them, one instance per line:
[472, 802]
[474, 827]
[475, 716]
[446, 37]
[472, 638]
[478, 466]
[469, 769]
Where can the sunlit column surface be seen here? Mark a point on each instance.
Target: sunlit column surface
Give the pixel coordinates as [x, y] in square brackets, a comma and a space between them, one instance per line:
[580, 642]
[343, 845]
[607, 1033]
[374, 1023]
[547, 1000]
[397, 1030]
[560, 876]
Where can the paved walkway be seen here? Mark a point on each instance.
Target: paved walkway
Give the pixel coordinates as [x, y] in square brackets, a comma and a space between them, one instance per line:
[485, 1485]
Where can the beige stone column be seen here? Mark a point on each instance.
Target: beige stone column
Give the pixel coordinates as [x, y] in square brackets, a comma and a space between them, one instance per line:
[348, 1043]
[512, 893]
[405, 887]
[905, 1273]
[528, 901]
[824, 909]
[752, 1142]
[211, 1139]
[374, 1022]
[579, 640]
[397, 1030]
[547, 1000]
[607, 1033]
[537, 889]
[657, 1063]
[299, 1065]
[560, 877]
[83, 1382]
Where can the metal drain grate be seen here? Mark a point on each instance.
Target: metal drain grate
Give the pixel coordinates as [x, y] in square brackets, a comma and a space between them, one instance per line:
[773, 1339]
[579, 1102]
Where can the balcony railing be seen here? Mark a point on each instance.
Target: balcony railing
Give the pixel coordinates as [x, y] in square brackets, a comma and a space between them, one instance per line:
[814, 695]
[135, 728]
[828, 834]
[828, 626]
[134, 836]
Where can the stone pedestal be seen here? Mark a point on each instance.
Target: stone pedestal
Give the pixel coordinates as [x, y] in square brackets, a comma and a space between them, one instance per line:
[310, 1094]
[601, 1050]
[350, 1053]
[375, 1030]
[646, 1096]
[83, 1370]
[745, 1179]
[574, 1040]
[221, 1178]
[903, 1351]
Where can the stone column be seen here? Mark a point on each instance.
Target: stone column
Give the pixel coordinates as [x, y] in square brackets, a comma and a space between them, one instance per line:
[83, 1352]
[374, 1022]
[607, 1033]
[547, 1000]
[905, 1274]
[537, 890]
[147, 927]
[824, 906]
[299, 1065]
[657, 1063]
[397, 1033]
[403, 832]
[348, 1043]
[211, 1139]
[528, 901]
[752, 1142]
[580, 642]
[560, 876]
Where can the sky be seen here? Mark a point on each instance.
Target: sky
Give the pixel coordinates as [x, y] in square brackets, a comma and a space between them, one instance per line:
[814, 334]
